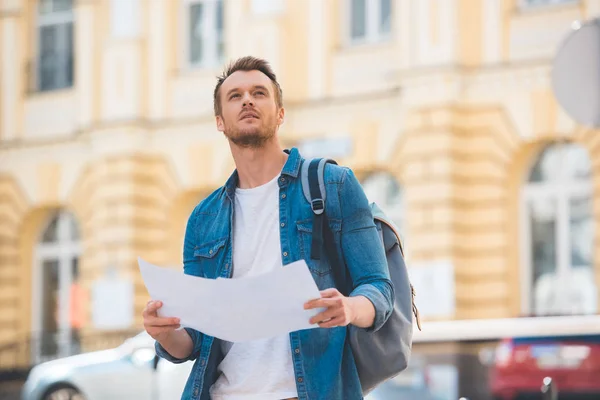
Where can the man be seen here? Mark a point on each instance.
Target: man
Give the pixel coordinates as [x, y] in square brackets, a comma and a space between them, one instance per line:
[258, 221]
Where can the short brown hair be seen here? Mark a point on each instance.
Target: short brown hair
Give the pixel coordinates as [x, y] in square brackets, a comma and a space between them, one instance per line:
[247, 63]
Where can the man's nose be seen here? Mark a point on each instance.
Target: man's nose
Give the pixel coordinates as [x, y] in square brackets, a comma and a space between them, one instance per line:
[247, 100]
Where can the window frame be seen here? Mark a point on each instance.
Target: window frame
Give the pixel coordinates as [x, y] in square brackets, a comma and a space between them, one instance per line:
[53, 18]
[561, 190]
[209, 29]
[63, 250]
[372, 28]
[524, 5]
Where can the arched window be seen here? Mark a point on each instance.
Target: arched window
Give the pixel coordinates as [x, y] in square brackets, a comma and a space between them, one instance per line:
[559, 234]
[56, 308]
[383, 189]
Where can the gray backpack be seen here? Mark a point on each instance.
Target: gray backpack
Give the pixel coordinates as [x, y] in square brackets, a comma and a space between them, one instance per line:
[379, 355]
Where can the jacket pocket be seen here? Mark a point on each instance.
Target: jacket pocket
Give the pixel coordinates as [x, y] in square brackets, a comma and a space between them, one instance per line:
[209, 249]
[206, 263]
[322, 266]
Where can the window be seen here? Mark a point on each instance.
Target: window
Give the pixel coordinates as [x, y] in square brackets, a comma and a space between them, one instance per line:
[559, 234]
[383, 189]
[55, 44]
[56, 314]
[204, 32]
[534, 3]
[369, 20]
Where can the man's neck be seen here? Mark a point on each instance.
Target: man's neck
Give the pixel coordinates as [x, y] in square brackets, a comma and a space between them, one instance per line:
[255, 167]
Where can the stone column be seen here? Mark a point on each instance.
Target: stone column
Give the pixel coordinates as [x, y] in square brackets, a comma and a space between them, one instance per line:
[13, 279]
[456, 171]
[124, 203]
[11, 45]
[86, 66]
[157, 58]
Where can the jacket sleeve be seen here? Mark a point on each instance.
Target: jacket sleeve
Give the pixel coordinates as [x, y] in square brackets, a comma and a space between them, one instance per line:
[188, 261]
[363, 251]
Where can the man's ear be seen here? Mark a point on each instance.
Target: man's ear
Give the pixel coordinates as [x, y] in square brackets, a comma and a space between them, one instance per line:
[280, 116]
[220, 124]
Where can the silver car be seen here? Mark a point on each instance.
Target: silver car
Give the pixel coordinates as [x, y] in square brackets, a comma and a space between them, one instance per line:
[130, 371]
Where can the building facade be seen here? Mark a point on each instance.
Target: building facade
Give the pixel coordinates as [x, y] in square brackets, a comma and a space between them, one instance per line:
[444, 108]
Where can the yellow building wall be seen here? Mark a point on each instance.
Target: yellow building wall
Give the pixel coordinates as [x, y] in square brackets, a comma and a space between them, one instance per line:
[456, 118]
[454, 163]
[124, 202]
[13, 205]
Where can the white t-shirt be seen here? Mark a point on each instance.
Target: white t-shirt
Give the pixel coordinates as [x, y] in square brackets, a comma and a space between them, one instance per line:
[261, 369]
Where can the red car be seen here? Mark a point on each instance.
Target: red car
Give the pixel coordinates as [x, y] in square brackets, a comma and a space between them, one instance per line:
[521, 364]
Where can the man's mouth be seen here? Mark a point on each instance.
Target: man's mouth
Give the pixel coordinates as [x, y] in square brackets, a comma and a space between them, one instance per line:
[249, 115]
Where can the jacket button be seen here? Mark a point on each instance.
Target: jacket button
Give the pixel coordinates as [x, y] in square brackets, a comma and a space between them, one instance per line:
[297, 351]
[282, 224]
[300, 380]
[285, 253]
[210, 252]
[282, 179]
[283, 196]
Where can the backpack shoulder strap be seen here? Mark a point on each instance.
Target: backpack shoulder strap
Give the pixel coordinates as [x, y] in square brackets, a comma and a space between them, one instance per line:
[313, 183]
[313, 186]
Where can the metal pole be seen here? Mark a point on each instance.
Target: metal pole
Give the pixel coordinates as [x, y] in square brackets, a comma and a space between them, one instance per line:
[549, 389]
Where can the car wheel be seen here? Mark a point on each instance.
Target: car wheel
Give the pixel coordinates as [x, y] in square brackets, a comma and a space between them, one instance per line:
[64, 393]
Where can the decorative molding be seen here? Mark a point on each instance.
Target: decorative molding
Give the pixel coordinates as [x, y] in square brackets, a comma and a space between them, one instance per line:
[8, 13]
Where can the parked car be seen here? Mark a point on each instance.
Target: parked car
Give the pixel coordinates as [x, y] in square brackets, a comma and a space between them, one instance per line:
[397, 389]
[130, 371]
[521, 364]
[416, 383]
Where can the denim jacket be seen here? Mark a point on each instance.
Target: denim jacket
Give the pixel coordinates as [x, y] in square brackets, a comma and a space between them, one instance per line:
[322, 358]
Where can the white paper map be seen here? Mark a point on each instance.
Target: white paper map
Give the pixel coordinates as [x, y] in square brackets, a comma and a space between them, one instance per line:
[235, 310]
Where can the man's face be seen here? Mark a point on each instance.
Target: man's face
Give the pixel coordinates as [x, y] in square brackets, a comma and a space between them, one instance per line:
[249, 115]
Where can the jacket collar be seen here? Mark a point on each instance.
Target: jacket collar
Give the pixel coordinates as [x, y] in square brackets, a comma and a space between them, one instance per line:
[293, 163]
[291, 168]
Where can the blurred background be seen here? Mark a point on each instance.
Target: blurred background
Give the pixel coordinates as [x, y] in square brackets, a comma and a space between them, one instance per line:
[445, 109]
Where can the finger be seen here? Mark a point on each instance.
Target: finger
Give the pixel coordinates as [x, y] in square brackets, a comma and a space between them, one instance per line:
[324, 316]
[155, 305]
[162, 329]
[322, 303]
[151, 308]
[331, 292]
[146, 313]
[332, 323]
[311, 301]
[319, 303]
[161, 321]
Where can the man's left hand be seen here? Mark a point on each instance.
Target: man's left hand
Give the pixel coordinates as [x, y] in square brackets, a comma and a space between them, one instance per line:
[339, 309]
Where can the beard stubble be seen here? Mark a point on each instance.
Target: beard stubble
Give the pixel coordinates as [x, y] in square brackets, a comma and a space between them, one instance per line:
[254, 139]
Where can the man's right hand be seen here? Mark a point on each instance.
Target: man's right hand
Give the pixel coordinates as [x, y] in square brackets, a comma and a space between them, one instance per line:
[160, 328]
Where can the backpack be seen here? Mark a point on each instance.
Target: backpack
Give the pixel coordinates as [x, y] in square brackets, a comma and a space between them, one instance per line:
[379, 355]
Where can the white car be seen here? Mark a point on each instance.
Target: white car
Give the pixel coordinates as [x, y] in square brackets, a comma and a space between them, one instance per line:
[130, 371]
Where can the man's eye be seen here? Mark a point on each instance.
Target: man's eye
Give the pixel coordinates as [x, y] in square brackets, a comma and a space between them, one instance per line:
[260, 93]
[234, 95]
